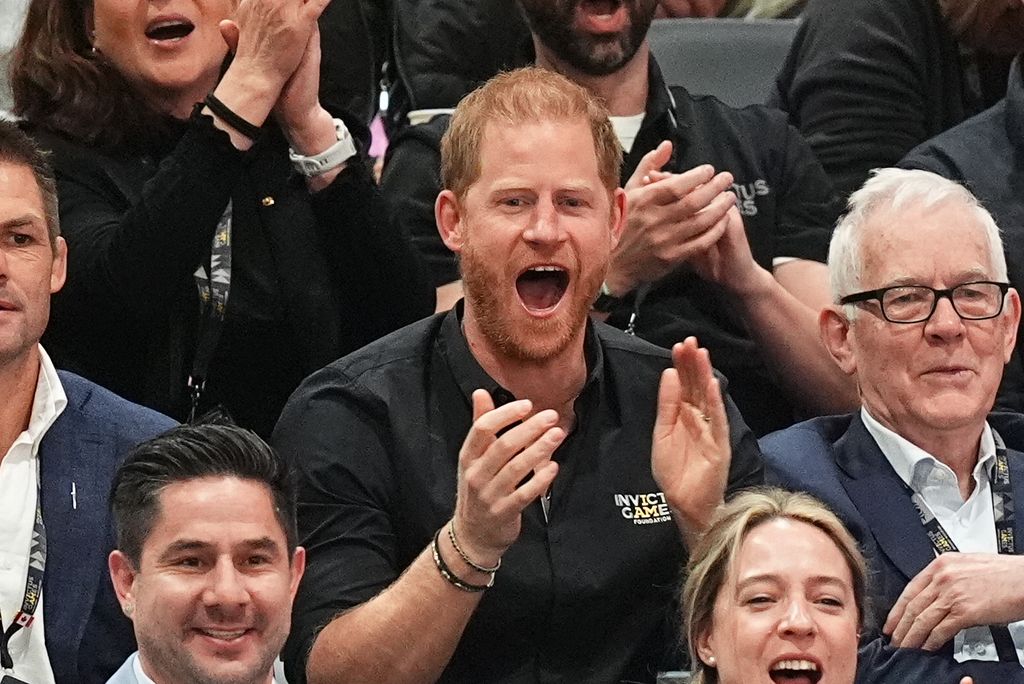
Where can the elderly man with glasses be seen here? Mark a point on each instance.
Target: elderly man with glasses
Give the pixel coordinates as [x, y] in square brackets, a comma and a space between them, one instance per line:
[924, 474]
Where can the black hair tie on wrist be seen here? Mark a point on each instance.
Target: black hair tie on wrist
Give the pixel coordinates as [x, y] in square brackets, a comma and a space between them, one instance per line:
[231, 119]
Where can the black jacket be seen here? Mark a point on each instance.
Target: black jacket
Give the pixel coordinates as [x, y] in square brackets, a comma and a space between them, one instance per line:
[867, 80]
[313, 276]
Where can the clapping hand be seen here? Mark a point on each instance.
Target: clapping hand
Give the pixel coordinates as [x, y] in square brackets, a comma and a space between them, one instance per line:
[690, 451]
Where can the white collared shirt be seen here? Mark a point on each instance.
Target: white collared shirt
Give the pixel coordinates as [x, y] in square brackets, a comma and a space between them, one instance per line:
[19, 473]
[970, 523]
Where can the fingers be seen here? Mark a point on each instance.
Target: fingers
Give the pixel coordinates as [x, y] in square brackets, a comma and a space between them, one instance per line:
[669, 402]
[482, 403]
[691, 190]
[652, 161]
[536, 459]
[699, 387]
[897, 615]
[488, 422]
[229, 31]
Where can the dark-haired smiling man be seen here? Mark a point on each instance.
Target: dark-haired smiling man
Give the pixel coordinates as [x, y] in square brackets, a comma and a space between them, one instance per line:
[207, 564]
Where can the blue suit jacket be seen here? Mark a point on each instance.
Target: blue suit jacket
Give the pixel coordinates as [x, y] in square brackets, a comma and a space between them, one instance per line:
[87, 637]
[837, 460]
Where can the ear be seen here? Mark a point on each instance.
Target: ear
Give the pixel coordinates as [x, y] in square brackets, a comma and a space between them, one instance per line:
[448, 215]
[59, 270]
[834, 328]
[298, 567]
[1013, 315]
[90, 24]
[620, 210]
[122, 575]
[706, 649]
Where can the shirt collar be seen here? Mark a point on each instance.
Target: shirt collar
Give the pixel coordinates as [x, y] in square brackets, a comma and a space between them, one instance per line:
[48, 402]
[143, 678]
[912, 463]
[470, 375]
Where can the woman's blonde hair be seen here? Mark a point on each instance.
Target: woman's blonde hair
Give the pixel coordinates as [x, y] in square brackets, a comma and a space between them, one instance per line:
[713, 555]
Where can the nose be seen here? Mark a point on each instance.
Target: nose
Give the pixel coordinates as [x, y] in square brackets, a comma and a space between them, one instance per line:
[945, 322]
[797, 620]
[226, 586]
[545, 226]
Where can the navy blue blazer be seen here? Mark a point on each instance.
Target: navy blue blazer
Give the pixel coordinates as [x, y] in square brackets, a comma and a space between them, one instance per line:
[87, 636]
[837, 460]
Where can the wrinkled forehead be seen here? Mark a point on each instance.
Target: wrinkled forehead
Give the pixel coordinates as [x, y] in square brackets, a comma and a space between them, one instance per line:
[943, 241]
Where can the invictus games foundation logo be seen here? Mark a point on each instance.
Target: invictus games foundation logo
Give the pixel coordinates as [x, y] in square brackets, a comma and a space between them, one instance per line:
[644, 509]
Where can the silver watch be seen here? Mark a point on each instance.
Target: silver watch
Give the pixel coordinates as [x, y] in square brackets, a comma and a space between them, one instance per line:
[331, 158]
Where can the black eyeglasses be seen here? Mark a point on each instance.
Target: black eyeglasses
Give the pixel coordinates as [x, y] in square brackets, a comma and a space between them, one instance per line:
[915, 303]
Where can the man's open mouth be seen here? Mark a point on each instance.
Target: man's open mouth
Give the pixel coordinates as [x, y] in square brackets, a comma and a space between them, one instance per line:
[541, 288]
[169, 29]
[600, 7]
[795, 672]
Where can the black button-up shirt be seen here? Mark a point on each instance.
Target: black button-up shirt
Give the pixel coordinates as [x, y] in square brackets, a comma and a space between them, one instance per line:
[585, 596]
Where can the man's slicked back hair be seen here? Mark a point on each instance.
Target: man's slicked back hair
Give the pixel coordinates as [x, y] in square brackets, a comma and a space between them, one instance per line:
[191, 452]
[527, 95]
[20, 150]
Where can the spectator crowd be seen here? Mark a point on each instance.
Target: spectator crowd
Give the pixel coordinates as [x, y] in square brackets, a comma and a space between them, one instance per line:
[588, 378]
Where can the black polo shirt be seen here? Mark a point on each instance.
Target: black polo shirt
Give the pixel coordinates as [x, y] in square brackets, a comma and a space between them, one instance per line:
[587, 596]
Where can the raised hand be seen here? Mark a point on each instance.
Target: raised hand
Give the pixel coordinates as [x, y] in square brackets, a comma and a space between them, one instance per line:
[492, 492]
[269, 39]
[672, 217]
[690, 451]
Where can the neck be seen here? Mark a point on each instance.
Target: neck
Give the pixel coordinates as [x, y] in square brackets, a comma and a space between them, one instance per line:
[18, 380]
[956, 446]
[624, 92]
[160, 678]
[551, 383]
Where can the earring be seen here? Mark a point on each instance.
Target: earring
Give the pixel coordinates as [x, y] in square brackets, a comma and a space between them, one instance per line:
[711, 661]
[128, 609]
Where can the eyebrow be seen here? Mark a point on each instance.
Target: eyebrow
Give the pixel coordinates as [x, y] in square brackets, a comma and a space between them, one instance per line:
[814, 580]
[186, 545]
[24, 220]
[961, 277]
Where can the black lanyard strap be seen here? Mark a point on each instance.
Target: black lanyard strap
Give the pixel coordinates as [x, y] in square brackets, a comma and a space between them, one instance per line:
[1003, 514]
[214, 285]
[33, 585]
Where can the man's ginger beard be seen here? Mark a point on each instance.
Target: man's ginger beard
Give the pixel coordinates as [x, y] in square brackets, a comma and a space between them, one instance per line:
[532, 341]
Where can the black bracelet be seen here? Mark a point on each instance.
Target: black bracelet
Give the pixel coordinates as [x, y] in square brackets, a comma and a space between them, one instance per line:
[449, 576]
[231, 119]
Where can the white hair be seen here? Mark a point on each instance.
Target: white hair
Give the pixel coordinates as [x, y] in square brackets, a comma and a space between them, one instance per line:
[894, 190]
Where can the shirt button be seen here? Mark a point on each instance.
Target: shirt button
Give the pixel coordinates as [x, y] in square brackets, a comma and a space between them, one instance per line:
[267, 201]
[502, 397]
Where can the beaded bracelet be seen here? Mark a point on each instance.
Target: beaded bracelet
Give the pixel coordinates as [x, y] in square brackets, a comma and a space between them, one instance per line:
[449, 576]
[463, 556]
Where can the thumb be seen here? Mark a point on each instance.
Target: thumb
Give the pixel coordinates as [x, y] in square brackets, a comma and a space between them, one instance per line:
[229, 31]
[652, 161]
